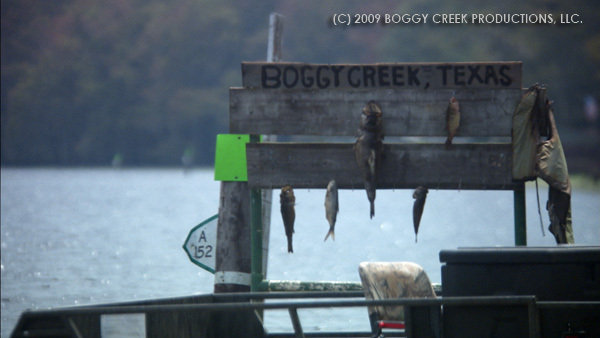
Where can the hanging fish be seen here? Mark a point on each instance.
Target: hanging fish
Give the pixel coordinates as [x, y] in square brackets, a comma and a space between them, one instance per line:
[368, 149]
[331, 207]
[287, 200]
[419, 195]
[452, 120]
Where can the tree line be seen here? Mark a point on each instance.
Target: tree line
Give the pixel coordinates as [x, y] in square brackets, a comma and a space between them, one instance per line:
[84, 81]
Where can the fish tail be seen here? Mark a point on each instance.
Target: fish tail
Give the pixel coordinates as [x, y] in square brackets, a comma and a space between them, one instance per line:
[290, 248]
[371, 196]
[330, 233]
[370, 189]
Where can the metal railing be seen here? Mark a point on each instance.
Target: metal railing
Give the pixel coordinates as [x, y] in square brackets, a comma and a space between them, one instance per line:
[292, 302]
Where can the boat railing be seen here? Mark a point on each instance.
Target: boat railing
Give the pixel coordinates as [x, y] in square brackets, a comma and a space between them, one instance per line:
[162, 318]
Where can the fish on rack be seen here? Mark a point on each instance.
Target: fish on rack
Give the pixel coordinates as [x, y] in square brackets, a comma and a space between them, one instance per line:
[288, 200]
[331, 208]
[452, 120]
[368, 148]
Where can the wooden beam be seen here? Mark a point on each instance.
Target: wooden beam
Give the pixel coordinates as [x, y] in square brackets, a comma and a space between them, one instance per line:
[337, 112]
[405, 166]
[458, 75]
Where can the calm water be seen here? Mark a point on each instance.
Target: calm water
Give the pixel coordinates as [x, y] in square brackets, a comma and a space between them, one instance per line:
[88, 236]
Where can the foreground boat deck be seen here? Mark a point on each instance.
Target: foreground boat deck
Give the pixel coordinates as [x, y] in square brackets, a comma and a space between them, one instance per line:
[238, 315]
[487, 292]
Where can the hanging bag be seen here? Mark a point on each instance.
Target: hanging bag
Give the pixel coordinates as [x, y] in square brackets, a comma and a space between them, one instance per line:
[532, 119]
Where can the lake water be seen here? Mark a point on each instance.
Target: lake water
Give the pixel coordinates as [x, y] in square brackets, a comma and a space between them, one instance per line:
[89, 236]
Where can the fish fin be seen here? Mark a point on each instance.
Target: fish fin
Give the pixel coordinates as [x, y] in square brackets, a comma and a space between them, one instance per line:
[372, 209]
[290, 248]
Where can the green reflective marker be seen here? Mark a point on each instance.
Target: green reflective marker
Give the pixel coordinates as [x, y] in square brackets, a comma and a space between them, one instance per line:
[230, 157]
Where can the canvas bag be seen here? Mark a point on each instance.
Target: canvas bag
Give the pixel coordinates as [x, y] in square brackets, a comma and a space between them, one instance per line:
[524, 138]
[533, 118]
[551, 166]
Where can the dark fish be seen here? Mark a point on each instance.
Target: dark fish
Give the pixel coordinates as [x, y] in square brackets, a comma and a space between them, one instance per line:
[288, 214]
[452, 120]
[419, 195]
[370, 119]
[368, 148]
[331, 207]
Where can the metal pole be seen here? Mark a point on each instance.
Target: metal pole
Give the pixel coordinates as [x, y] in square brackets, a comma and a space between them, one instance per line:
[296, 322]
[520, 220]
[273, 55]
[260, 201]
[275, 37]
[256, 232]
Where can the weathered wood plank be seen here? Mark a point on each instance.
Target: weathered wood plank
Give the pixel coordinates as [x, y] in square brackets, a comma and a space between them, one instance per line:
[405, 166]
[233, 237]
[460, 75]
[337, 112]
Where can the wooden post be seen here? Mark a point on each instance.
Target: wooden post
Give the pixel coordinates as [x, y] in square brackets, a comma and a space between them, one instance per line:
[245, 216]
[232, 266]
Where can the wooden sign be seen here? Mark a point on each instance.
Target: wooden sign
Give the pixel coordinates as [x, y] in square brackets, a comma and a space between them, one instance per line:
[327, 100]
[415, 112]
[489, 75]
[405, 166]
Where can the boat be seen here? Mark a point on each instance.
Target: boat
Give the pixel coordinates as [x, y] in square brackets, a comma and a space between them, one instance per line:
[487, 292]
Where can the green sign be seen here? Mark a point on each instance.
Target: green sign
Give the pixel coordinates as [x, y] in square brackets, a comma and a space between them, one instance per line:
[230, 157]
